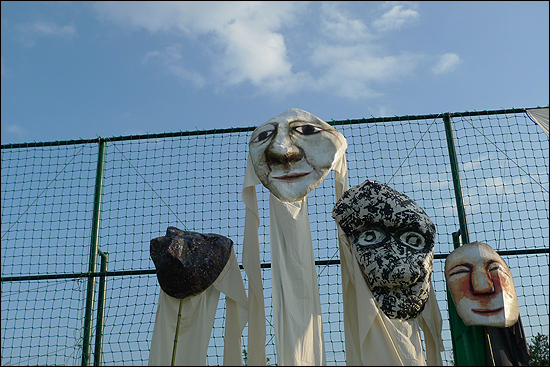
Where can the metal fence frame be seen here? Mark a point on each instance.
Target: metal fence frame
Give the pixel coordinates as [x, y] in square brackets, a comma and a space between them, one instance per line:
[99, 258]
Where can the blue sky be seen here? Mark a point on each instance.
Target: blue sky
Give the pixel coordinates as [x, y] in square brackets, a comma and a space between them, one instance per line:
[75, 70]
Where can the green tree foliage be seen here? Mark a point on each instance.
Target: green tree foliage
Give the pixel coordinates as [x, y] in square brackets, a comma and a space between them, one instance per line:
[539, 350]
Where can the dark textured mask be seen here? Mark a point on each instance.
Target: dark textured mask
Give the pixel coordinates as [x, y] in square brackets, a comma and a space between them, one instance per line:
[392, 239]
[189, 262]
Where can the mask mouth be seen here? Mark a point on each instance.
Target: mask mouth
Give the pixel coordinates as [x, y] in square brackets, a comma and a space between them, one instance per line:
[486, 312]
[292, 177]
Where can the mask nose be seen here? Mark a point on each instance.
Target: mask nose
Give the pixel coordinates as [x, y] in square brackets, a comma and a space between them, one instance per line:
[282, 150]
[481, 282]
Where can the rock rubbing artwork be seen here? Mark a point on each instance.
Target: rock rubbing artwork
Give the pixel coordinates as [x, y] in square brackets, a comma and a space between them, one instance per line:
[192, 270]
[293, 152]
[481, 286]
[188, 262]
[392, 239]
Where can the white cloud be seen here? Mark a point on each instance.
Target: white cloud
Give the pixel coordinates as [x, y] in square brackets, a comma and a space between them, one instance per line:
[171, 58]
[29, 31]
[338, 26]
[17, 130]
[52, 29]
[447, 63]
[475, 164]
[351, 60]
[395, 18]
[252, 50]
[352, 70]
[248, 42]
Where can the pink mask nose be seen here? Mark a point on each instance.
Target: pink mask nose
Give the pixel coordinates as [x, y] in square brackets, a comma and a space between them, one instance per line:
[481, 282]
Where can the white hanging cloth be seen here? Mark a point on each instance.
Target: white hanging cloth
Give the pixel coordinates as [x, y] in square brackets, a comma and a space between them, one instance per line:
[374, 339]
[197, 321]
[371, 338]
[540, 116]
[297, 317]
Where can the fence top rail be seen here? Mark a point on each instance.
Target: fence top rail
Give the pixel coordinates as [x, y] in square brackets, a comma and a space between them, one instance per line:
[251, 128]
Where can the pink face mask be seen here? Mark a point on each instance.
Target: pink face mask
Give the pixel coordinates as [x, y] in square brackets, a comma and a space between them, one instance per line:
[481, 286]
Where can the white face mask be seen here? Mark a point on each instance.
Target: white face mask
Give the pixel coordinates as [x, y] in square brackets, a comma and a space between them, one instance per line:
[392, 239]
[481, 286]
[293, 152]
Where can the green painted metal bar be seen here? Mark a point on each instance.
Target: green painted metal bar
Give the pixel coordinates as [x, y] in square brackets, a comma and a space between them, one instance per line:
[251, 128]
[119, 273]
[100, 323]
[94, 246]
[468, 341]
[449, 133]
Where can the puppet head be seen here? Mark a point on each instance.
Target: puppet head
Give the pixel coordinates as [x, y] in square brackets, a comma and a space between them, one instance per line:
[392, 239]
[188, 262]
[481, 286]
[293, 152]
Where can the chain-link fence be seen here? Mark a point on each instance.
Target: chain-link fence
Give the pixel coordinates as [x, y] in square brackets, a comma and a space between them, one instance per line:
[67, 203]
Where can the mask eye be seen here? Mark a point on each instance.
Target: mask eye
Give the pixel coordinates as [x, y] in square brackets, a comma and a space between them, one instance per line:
[371, 236]
[413, 239]
[460, 270]
[307, 129]
[264, 135]
[494, 266]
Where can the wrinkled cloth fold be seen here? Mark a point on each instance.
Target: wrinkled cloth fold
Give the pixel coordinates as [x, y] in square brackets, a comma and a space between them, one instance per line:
[197, 321]
[299, 338]
[374, 339]
[371, 338]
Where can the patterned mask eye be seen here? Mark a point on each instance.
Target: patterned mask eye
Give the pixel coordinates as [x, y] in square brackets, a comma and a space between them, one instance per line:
[371, 236]
[413, 239]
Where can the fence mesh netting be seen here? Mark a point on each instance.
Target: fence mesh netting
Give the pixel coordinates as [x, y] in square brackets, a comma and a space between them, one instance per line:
[193, 180]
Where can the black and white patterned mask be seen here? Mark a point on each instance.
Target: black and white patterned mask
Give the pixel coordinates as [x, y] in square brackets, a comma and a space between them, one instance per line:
[392, 239]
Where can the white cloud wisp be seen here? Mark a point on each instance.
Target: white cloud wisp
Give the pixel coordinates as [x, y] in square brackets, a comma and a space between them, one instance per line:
[248, 42]
[446, 64]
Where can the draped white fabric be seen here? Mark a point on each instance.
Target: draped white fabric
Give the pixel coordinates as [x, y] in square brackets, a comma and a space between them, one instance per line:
[374, 339]
[297, 317]
[371, 338]
[540, 116]
[299, 339]
[197, 320]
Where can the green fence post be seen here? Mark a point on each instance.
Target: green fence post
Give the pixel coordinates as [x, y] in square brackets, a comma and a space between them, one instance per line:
[94, 241]
[468, 341]
[101, 309]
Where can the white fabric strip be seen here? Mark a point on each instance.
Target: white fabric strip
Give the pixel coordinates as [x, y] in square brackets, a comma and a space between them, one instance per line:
[371, 338]
[197, 320]
[374, 339]
[298, 325]
[540, 116]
